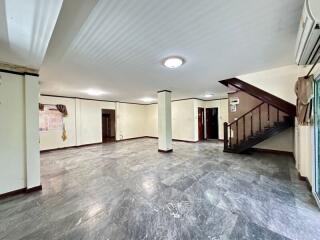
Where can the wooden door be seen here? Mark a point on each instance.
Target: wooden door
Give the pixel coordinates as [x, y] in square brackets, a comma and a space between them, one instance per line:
[201, 123]
[212, 123]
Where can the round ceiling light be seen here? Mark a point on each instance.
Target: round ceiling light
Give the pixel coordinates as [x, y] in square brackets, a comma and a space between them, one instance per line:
[173, 62]
[147, 99]
[208, 95]
[94, 92]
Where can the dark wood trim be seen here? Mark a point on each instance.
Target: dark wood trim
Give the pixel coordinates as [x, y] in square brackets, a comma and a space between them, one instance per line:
[144, 104]
[205, 100]
[18, 69]
[151, 137]
[12, 193]
[128, 139]
[19, 73]
[64, 148]
[89, 99]
[262, 95]
[165, 151]
[262, 150]
[185, 99]
[186, 141]
[121, 140]
[34, 189]
[305, 179]
[20, 191]
[175, 140]
[164, 91]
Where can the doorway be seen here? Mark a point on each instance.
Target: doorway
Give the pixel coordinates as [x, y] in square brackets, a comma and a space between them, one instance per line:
[212, 123]
[108, 125]
[200, 124]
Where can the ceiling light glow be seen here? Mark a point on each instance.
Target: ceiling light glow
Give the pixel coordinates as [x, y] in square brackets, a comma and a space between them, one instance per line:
[94, 92]
[208, 95]
[147, 99]
[173, 62]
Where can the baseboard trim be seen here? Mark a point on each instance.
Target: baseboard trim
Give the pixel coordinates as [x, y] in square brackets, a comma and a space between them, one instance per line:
[271, 151]
[128, 139]
[34, 189]
[121, 140]
[20, 191]
[165, 151]
[186, 141]
[175, 140]
[64, 148]
[305, 179]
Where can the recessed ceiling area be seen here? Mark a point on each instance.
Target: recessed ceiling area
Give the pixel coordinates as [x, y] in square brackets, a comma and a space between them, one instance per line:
[25, 30]
[117, 47]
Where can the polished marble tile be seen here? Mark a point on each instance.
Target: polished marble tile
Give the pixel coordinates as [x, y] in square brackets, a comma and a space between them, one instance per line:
[128, 190]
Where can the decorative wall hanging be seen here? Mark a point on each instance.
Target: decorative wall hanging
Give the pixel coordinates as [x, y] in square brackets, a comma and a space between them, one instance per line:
[304, 92]
[51, 118]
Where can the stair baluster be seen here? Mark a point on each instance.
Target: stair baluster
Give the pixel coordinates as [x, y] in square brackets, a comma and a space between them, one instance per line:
[263, 131]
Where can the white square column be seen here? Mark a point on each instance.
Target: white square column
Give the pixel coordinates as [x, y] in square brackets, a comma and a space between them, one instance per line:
[164, 121]
[32, 145]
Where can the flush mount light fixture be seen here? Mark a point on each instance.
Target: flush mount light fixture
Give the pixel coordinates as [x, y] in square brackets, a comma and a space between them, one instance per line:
[94, 92]
[173, 62]
[147, 99]
[208, 95]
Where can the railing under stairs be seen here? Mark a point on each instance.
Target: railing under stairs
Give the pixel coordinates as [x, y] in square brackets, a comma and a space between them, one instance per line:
[254, 126]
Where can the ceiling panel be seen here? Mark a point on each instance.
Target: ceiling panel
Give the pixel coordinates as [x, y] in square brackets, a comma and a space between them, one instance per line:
[119, 46]
[25, 30]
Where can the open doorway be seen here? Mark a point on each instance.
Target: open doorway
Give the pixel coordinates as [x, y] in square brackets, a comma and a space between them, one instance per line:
[200, 124]
[108, 125]
[212, 123]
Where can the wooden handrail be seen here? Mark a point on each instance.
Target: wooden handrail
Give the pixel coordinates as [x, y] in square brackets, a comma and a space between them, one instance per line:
[243, 115]
[262, 95]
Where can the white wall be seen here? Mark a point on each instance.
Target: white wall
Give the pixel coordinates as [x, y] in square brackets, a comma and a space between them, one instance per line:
[19, 147]
[131, 119]
[31, 96]
[185, 118]
[151, 120]
[277, 81]
[284, 141]
[89, 120]
[304, 150]
[84, 122]
[52, 139]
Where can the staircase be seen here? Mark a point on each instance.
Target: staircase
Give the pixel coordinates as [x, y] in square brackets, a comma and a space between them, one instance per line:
[272, 116]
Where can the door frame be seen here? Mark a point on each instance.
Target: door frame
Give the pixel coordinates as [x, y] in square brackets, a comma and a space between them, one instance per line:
[115, 123]
[315, 146]
[203, 124]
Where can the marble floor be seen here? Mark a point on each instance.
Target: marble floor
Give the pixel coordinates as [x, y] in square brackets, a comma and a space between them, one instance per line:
[128, 190]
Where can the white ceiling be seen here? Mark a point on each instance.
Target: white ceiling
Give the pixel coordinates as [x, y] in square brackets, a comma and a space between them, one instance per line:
[25, 30]
[117, 46]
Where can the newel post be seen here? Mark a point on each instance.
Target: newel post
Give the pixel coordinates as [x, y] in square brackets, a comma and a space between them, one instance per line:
[225, 131]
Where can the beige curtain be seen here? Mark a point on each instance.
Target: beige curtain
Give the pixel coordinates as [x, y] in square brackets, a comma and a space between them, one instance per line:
[304, 92]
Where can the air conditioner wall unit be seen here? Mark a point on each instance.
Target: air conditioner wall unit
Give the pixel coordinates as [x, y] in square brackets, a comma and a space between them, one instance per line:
[308, 40]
